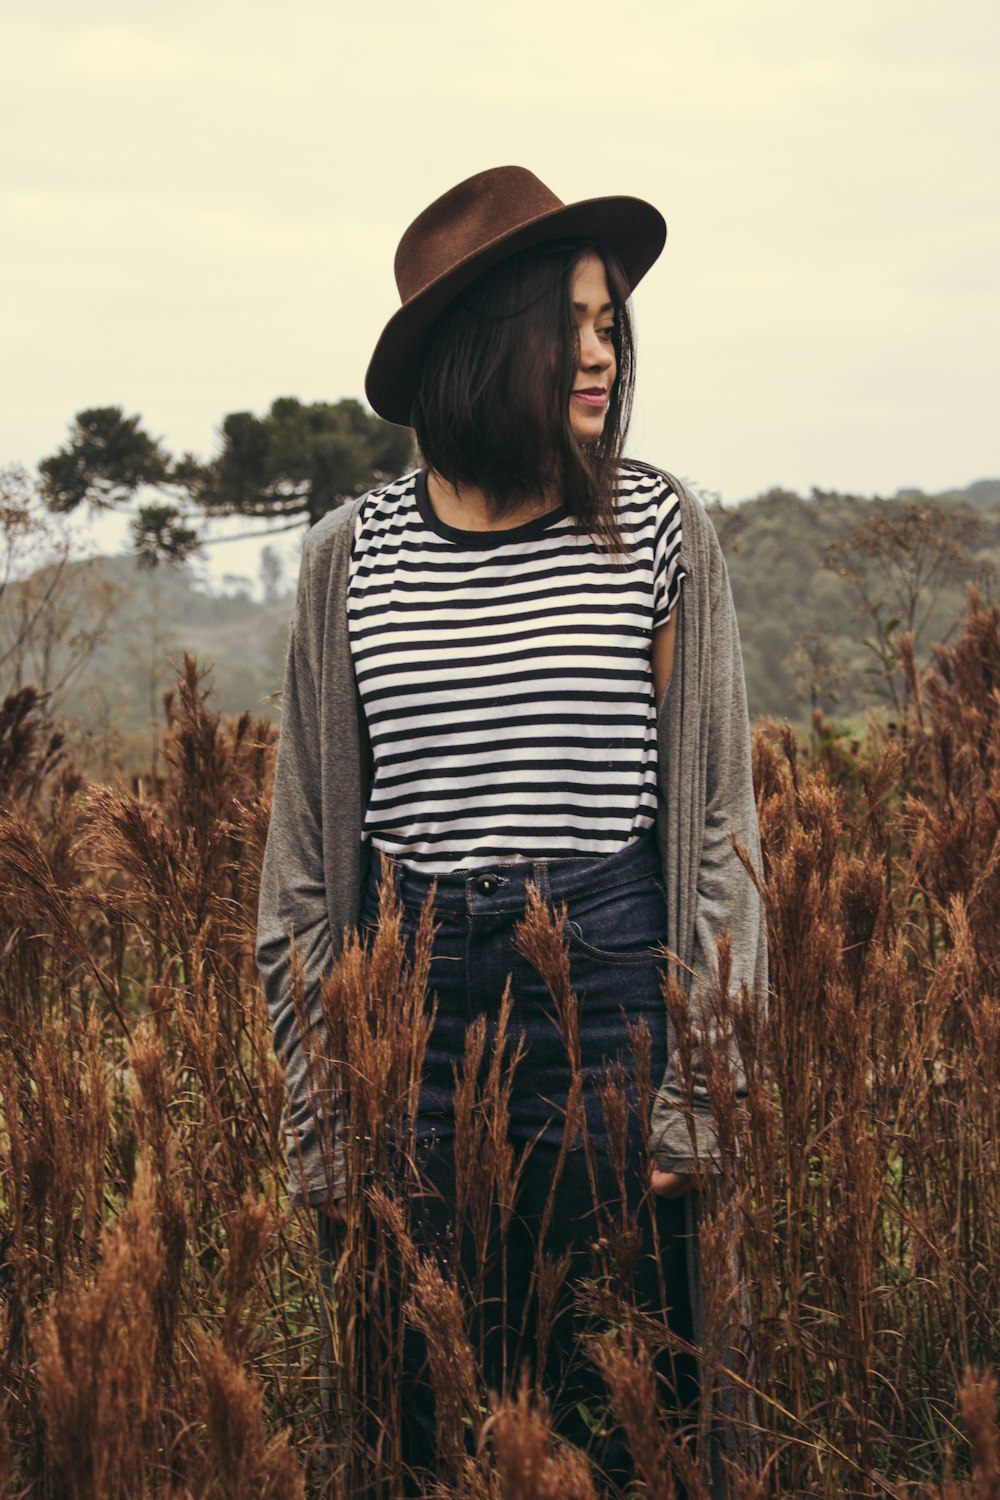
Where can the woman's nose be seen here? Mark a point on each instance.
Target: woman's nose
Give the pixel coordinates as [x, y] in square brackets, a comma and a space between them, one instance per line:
[595, 353]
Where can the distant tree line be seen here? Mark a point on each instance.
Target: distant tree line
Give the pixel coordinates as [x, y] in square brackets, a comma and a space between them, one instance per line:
[835, 592]
[69, 634]
[288, 467]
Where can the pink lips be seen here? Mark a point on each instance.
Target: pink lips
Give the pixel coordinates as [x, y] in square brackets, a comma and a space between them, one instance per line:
[593, 397]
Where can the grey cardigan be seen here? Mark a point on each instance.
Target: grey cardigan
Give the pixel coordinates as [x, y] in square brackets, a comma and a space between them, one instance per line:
[314, 862]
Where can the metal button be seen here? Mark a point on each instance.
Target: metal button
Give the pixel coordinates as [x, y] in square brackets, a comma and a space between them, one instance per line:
[487, 884]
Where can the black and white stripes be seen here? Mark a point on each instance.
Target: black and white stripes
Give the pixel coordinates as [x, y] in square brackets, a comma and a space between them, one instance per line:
[506, 676]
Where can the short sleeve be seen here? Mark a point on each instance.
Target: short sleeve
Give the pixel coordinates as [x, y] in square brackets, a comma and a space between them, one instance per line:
[667, 570]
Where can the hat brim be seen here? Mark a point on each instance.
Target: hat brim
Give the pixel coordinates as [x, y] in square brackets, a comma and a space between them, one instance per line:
[632, 228]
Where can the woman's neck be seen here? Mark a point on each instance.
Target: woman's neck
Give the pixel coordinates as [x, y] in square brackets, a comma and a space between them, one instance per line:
[470, 510]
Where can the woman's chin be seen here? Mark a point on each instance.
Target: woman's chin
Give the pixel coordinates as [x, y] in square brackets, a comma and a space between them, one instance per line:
[586, 429]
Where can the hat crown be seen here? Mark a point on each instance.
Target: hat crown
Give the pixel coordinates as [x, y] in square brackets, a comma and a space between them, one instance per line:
[466, 219]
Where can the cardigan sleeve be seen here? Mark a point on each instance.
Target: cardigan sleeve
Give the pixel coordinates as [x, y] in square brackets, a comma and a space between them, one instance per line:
[293, 910]
[725, 898]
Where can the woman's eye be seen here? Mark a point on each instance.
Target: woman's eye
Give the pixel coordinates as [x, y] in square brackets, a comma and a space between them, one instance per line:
[607, 333]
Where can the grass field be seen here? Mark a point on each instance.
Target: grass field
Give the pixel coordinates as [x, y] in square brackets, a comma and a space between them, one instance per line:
[160, 1304]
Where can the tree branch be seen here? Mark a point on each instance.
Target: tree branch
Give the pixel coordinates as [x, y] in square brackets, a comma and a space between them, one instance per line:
[245, 536]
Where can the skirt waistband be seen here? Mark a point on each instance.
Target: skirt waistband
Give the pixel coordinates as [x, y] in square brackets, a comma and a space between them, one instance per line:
[503, 887]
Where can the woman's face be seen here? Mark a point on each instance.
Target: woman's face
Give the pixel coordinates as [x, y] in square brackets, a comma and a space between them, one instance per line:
[597, 367]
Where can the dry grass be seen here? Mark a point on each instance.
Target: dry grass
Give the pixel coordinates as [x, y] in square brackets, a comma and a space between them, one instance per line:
[160, 1306]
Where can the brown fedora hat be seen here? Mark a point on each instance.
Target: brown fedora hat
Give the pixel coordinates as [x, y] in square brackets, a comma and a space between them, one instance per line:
[469, 229]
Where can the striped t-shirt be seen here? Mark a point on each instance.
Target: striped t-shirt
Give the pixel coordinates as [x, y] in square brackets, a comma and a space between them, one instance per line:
[506, 676]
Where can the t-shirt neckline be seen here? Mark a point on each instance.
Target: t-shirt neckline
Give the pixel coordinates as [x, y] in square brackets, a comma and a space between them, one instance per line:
[523, 533]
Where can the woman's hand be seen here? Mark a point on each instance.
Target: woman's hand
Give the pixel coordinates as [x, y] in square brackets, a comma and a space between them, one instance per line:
[670, 1184]
[336, 1212]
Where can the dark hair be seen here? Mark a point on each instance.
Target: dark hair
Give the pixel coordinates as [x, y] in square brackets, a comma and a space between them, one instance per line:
[492, 409]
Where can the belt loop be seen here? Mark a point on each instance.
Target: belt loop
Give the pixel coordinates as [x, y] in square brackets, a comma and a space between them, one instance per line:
[541, 874]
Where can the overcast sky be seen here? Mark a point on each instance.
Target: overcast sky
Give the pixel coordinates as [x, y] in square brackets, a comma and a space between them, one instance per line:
[201, 203]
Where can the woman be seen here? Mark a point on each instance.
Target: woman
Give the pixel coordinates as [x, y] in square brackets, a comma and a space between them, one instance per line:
[518, 666]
